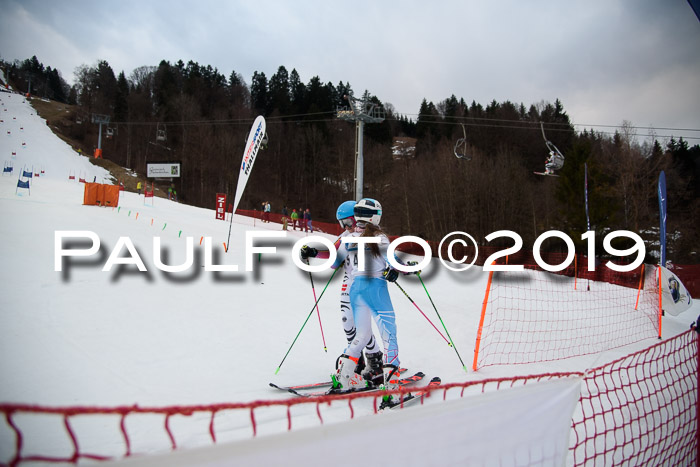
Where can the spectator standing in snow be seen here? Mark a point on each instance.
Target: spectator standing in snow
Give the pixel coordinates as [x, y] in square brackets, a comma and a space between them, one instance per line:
[307, 221]
[295, 218]
[302, 220]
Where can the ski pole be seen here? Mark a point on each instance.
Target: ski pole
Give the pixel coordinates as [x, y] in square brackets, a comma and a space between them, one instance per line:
[443, 323]
[228, 240]
[421, 312]
[313, 289]
[305, 321]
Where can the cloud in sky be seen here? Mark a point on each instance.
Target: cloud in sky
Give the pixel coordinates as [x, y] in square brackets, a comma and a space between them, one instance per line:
[607, 61]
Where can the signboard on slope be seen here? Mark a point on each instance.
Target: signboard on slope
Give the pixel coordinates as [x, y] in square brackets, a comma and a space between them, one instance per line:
[163, 170]
[221, 206]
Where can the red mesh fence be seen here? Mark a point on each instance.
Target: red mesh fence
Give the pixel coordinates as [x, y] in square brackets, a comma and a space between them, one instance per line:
[532, 316]
[277, 217]
[638, 410]
[68, 415]
[689, 274]
[641, 409]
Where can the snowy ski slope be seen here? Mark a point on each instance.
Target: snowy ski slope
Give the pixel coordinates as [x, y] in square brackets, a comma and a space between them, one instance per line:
[87, 337]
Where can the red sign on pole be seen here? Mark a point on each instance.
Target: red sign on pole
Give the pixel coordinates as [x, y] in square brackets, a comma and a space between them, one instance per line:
[221, 206]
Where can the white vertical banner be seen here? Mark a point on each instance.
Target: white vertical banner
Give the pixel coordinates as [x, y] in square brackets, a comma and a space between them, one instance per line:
[252, 145]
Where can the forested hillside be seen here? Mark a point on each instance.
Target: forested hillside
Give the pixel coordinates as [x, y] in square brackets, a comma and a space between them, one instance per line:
[196, 115]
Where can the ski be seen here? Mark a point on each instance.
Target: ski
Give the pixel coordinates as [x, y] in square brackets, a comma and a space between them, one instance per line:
[294, 389]
[298, 392]
[371, 387]
[301, 387]
[545, 174]
[411, 397]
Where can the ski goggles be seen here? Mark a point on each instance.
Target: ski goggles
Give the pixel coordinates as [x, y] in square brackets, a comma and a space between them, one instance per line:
[364, 212]
[347, 223]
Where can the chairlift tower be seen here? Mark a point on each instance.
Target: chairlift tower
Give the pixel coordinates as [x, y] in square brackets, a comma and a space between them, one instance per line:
[99, 119]
[360, 111]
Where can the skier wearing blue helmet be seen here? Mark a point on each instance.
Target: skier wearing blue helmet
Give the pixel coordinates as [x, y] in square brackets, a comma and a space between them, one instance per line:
[371, 367]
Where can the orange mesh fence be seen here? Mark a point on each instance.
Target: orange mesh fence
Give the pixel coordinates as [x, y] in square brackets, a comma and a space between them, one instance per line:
[533, 316]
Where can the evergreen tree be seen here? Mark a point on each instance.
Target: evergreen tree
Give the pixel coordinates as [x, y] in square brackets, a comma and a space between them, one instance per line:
[297, 92]
[165, 88]
[279, 92]
[258, 93]
[239, 94]
[121, 100]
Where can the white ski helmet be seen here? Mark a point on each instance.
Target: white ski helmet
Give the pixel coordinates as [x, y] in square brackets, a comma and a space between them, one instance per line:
[368, 210]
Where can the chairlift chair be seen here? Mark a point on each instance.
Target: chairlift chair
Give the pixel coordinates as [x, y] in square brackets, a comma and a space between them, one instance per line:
[110, 132]
[160, 133]
[555, 161]
[460, 147]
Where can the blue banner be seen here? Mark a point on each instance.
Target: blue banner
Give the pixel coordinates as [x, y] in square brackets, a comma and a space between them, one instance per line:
[585, 188]
[662, 217]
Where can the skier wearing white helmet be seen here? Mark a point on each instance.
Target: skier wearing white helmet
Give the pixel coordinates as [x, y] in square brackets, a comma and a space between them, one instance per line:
[372, 370]
[369, 298]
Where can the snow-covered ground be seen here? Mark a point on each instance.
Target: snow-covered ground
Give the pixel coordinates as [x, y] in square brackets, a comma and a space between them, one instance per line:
[84, 336]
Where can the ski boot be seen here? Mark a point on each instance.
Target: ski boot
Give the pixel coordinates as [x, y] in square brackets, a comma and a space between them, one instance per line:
[391, 382]
[373, 368]
[359, 369]
[346, 379]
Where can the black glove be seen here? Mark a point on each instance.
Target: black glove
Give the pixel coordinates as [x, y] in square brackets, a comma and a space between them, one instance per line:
[391, 274]
[308, 252]
[412, 263]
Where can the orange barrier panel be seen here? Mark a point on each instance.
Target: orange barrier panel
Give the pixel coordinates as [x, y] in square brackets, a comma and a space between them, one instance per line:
[98, 194]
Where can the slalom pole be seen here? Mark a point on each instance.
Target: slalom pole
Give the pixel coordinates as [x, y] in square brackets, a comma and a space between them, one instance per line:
[313, 289]
[229, 233]
[443, 323]
[421, 312]
[305, 321]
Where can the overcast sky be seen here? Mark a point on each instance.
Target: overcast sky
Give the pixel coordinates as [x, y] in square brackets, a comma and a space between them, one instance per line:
[606, 60]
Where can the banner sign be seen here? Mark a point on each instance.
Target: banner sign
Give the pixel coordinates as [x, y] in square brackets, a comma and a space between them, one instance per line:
[221, 206]
[675, 298]
[585, 189]
[662, 217]
[257, 133]
[163, 170]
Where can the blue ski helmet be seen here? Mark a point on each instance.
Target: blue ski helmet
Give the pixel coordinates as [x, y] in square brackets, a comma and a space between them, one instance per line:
[346, 211]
